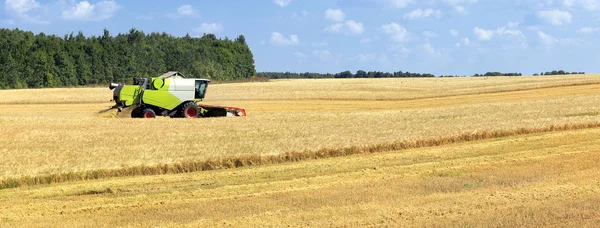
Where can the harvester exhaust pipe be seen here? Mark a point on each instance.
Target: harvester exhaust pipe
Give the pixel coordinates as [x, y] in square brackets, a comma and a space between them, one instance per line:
[113, 86]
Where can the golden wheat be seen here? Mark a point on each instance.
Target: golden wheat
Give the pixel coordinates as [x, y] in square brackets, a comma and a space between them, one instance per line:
[253, 159]
[58, 140]
[386, 88]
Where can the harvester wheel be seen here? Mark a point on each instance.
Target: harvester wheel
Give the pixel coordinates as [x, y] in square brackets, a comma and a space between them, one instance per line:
[149, 113]
[190, 110]
[137, 113]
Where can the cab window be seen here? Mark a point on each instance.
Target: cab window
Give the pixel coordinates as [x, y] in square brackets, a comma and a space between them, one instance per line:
[200, 89]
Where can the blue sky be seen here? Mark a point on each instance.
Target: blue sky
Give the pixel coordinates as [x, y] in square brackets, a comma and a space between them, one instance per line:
[459, 37]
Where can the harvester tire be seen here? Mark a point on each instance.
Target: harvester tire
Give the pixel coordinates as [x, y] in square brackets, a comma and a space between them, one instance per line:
[190, 110]
[137, 113]
[148, 113]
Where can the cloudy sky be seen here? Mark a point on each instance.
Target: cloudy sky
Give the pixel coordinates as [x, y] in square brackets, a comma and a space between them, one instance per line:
[460, 37]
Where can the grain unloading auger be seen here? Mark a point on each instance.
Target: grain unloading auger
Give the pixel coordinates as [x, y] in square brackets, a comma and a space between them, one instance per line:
[170, 94]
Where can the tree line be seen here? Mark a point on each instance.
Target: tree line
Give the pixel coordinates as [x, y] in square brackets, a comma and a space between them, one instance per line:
[557, 72]
[488, 74]
[343, 74]
[33, 61]
[554, 72]
[379, 74]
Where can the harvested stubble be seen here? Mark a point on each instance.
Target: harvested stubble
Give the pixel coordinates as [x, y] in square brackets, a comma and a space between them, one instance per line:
[250, 160]
[548, 179]
[54, 145]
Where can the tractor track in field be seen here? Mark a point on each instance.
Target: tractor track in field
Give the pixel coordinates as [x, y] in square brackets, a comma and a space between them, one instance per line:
[256, 160]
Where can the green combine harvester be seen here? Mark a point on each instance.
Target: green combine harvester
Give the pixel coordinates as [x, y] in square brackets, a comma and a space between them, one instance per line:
[171, 94]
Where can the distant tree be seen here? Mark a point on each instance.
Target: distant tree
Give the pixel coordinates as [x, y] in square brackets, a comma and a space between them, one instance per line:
[560, 72]
[241, 40]
[209, 36]
[344, 74]
[360, 74]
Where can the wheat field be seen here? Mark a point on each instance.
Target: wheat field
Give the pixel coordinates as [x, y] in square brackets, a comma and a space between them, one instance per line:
[377, 151]
[64, 133]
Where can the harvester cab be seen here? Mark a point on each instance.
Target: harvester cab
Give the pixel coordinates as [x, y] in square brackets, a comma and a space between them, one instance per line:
[171, 94]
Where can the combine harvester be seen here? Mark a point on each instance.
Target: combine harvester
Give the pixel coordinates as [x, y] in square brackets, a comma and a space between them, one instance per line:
[171, 94]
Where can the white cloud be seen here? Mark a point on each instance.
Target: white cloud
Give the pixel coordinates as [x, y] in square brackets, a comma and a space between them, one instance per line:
[282, 3]
[483, 34]
[21, 6]
[91, 12]
[184, 11]
[454, 32]
[401, 50]
[547, 40]
[429, 49]
[280, 40]
[507, 30]
[458, 2]
[568, 3]
[363, 57]
[421, 14]
[24, 9]
[355, 27]
[334, 14]
[335, 28]
[398, 3]
[555, 17]
[463, 42]
[301, 56]
[512, 24]
[321, 44]
[457, 5]
[209, 28]
[350, 27]
[303, 14]
[590, 4]
[430, 34]
[324, 55]
[588, 30]
[396, 32]
[460, 10]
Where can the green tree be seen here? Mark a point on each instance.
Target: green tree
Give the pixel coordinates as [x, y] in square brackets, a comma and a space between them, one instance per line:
[360, 74]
